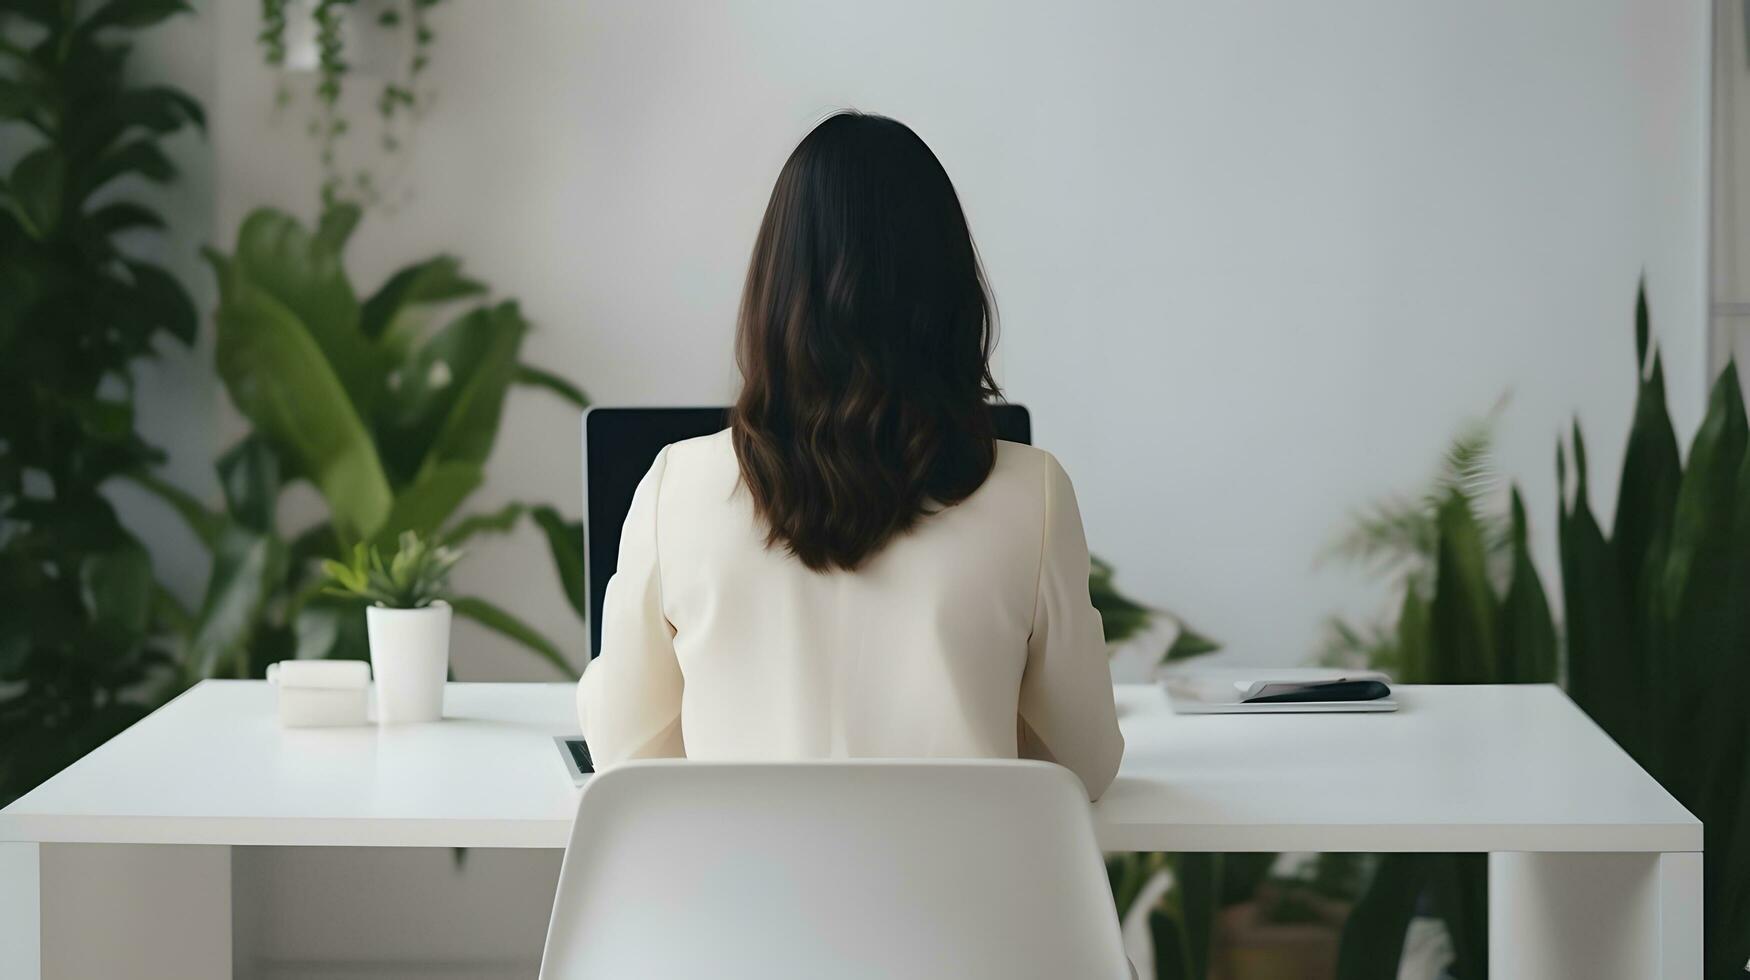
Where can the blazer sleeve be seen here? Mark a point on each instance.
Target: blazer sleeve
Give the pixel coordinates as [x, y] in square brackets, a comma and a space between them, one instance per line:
[1067, 711]
[629, 700]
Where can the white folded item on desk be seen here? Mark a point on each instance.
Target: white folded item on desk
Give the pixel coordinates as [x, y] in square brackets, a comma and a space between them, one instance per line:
[321, 693]
[1223, 691]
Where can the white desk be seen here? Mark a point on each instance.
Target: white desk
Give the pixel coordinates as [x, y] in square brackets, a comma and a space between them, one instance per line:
[1595, 870]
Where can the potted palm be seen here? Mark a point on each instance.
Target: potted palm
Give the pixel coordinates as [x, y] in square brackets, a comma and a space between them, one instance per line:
[407, 620]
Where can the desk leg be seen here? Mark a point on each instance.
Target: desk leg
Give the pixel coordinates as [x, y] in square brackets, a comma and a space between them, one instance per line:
[1600, 916]
[21, 911]
[142, 911]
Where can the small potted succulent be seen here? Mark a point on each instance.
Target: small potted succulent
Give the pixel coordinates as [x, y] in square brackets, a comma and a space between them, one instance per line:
[408, 622]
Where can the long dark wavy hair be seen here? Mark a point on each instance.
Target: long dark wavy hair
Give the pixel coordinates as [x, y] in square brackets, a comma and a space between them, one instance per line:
[864, 346]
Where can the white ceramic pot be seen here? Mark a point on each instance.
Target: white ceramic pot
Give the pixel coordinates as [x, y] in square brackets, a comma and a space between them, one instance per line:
[410, 657]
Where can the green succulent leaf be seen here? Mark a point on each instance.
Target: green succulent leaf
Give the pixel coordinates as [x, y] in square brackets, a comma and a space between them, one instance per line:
[415, 575]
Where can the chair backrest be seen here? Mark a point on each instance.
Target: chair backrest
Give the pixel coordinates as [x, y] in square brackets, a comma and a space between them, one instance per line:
[848, 870]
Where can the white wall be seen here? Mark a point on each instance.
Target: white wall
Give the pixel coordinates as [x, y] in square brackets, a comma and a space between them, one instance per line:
[1255, 265]
[1731, 186]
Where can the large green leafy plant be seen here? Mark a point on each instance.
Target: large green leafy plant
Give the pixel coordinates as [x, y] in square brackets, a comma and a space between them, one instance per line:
[1471, 610]
[1657, 635]
[390, 420]
[78, 309]
[1658, 623]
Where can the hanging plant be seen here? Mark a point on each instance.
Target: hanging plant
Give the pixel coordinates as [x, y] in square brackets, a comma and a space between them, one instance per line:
[321, 37]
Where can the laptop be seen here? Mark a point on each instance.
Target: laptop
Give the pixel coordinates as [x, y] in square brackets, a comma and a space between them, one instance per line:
[619, 446]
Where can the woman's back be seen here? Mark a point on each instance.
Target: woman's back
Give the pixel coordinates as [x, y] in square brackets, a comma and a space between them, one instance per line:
[716, 646]
[856, 567]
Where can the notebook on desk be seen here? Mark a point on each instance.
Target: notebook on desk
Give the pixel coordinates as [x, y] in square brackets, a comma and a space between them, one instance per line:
[1254, 691]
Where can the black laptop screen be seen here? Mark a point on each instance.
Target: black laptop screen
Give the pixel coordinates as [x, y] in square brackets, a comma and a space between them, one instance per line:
[619, 444]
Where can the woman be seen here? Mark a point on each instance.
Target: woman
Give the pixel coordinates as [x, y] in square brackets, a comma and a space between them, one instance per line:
[856, 567]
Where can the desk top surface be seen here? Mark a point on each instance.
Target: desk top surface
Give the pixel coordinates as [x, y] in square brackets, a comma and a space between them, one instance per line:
[1489, 768]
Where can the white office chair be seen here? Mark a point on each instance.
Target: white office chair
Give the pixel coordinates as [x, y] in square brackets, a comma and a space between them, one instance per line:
[845, 870]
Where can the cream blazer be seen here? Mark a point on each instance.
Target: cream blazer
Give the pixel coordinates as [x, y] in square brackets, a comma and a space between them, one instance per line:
[970, 636]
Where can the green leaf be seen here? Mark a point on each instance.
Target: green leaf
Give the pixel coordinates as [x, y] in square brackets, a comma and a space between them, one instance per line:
[47, 13]
[1708, 634]
[278, 377]
[536, 378]
[102, 419]
[113, 219]
[334, 229]
[1603, 667]
[206, 525]
[133, 14]
[157, 294]
[450, 394]
[168, 613]
[1120, 616]
[328, 628]
[1128, 873]
[246, 565]
[16, 99]
[565, 540]
[303, 274]
[1726, 771]
[1461, 894]
[428, 503]
[1172, 958]
[249, 473]
[1462, 615]
[1373, 935]
[1528, 634]
[1651, 470]
[499, 521]
[1188, 643]
[499, 621]
[1197, 876]
[434, 280]
[142, 157]
[158, 108]
[116, 590]
[38, 186]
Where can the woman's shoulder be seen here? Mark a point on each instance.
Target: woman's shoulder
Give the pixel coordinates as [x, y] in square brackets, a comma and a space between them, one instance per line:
[1017, 460]
[697, 459]
[713, 447]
